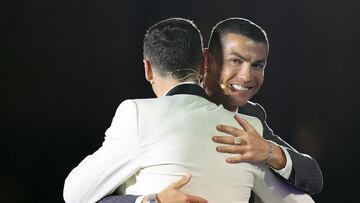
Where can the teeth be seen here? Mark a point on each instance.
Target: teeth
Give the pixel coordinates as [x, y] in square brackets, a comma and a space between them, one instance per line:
[239, 87]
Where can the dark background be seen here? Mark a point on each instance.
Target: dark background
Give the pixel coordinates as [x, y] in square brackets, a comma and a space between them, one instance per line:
[67, 65]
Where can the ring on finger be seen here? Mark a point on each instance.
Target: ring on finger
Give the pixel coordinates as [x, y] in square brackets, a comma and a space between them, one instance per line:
[237, 140]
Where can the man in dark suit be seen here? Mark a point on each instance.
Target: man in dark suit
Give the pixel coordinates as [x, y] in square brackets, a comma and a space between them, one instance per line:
[236, 60]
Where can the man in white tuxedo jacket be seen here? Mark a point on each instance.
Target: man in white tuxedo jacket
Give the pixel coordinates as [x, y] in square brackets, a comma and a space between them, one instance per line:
[153, 142]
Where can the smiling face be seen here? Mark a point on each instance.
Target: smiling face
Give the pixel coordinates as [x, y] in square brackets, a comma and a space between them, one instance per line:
[239, 67]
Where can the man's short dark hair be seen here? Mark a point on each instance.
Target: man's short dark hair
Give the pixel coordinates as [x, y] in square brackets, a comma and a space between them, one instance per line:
[172, 44]
[240, 26]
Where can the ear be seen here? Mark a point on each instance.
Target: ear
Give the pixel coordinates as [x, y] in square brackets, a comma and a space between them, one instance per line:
[203, 63]
[206, 55]
[148, 70]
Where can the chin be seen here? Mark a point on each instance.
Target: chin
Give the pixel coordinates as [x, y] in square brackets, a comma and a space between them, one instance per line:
[242, 103]
[237, 103]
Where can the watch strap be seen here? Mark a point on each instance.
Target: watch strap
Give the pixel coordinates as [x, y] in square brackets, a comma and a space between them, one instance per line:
[152, 198]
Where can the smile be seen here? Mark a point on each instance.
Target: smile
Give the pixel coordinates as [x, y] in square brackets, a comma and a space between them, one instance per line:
[239, 87]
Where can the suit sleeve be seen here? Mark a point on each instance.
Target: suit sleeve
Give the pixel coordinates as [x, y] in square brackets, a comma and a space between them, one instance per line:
[271, 189]
[306, 174]
[119, 199]
[112, 164]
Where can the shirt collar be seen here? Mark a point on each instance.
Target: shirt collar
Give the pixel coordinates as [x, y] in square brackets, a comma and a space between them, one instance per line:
[178, 85]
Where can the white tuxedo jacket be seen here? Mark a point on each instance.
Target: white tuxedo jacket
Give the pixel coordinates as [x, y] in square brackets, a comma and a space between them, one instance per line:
[153, 142]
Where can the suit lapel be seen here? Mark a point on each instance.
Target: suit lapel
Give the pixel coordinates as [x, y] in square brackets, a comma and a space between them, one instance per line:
[192, 89]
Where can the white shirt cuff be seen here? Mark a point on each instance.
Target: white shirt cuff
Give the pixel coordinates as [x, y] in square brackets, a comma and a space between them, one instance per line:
[286, 171]
[139, 199]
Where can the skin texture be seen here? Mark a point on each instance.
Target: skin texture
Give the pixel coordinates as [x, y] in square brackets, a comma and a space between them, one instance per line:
[252, 147]
[171, 194]
[241, 62]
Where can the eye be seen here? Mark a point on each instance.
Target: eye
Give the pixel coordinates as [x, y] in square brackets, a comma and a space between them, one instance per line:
[258, 66]
[236, 61]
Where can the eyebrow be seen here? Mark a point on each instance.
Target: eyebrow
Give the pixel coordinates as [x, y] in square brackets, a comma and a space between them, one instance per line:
[245, 59]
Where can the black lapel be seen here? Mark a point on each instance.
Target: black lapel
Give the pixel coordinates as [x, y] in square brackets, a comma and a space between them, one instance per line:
[246, 109]
[192, 89]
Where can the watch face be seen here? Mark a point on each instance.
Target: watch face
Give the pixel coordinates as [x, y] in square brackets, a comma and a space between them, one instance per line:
[152, 198]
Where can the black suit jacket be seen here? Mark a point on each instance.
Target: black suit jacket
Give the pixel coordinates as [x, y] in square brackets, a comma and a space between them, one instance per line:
[119, 199]
[306, 174]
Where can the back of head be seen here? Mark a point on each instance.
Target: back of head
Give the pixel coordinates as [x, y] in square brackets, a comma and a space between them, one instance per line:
[174, 44]
[240, 26]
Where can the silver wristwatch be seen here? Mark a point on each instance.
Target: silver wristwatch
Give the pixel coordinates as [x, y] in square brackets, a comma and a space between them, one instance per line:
[152, 198]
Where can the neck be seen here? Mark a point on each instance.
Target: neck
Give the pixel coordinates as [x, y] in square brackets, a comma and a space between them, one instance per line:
[231, 108]
[164, 85]
[217, 99]
[213, 90]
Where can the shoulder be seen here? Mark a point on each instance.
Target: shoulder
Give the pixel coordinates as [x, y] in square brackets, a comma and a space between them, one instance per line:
[172, 101]
[130, 107]
[126, 106]
[135, 103]
[253, 109]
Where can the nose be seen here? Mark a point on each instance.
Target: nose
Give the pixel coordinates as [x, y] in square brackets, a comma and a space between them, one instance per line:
[245, 72]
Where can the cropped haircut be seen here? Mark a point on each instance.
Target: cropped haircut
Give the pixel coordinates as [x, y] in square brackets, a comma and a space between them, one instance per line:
[173, 44]
[240, 26]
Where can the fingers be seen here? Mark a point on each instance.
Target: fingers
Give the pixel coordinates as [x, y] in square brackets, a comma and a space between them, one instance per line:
[225, 139]
[229, 130]
[246, 126]
[233, 149]
[172, 193]
[181, 182]
[235, 131]
[195, 199]
[242, 152]
[236, 159]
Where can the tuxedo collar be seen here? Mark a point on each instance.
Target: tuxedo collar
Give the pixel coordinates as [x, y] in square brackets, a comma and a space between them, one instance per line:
[188, 88]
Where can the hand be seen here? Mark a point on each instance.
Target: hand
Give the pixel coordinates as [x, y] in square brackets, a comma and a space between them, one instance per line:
[253, 148]
[171, 194]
